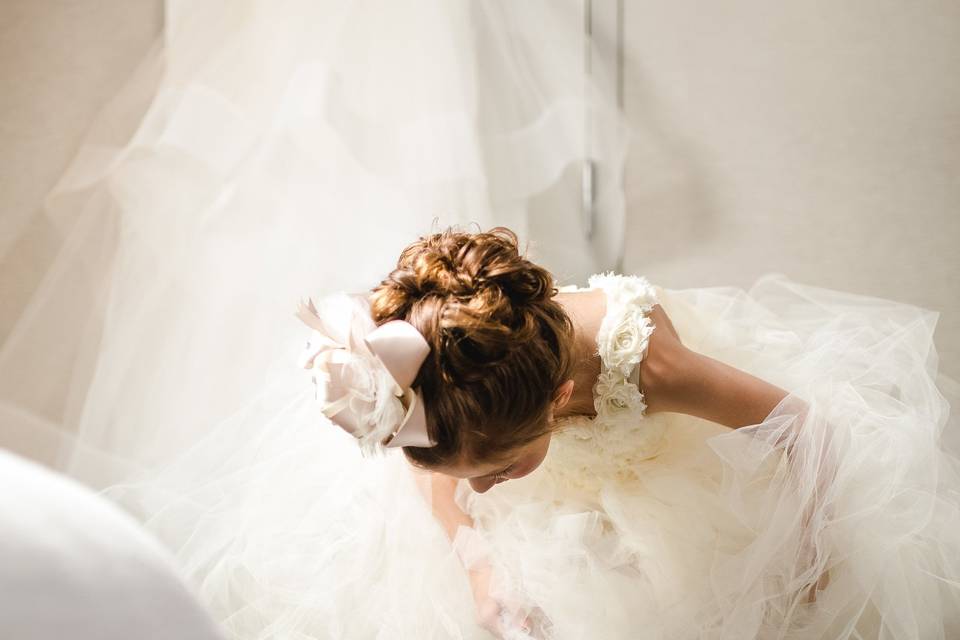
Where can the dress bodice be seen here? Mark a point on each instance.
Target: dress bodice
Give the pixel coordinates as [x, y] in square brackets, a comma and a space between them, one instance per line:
[587, 451]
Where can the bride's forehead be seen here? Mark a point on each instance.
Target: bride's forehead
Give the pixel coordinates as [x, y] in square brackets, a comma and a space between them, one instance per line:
[465, 473]
[472, 469]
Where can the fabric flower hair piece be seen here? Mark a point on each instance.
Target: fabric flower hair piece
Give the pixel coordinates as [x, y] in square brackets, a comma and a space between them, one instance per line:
[364, 373]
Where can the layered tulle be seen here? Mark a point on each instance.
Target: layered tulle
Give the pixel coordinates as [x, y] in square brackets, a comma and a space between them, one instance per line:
[270, 150]
[835, 517]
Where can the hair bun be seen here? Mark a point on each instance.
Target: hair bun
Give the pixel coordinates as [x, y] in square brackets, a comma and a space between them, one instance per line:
[474, 292]
[500, 344]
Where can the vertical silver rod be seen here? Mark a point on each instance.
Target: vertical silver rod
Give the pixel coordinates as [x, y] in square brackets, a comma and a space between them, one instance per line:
[620, 17]
[587, 170]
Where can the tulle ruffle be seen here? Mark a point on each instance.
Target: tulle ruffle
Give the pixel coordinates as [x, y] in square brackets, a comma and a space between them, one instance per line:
[269, 150]
[835, 517]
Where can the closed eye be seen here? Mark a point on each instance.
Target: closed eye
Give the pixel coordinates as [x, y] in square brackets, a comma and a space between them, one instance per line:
[499, 475]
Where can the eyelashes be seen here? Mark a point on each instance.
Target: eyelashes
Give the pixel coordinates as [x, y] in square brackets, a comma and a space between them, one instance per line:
[502, 475]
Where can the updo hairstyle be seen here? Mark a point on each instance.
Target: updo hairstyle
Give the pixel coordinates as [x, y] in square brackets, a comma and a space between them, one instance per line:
[500, 346]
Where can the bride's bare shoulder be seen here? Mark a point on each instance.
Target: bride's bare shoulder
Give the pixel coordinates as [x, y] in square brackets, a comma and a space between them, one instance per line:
[586, 307]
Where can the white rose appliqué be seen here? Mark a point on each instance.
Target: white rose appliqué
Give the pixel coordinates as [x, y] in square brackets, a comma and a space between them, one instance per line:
[615, 398]
[626, 341]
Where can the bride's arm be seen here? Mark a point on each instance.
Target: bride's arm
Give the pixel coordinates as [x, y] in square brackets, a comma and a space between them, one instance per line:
[439, 491]
[715, 391]
[677, 379]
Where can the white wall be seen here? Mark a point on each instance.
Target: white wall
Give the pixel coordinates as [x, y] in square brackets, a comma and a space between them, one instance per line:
[818, 139]
[60, 61]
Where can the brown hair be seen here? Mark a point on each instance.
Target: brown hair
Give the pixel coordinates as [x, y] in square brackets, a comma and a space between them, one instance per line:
[500, 346]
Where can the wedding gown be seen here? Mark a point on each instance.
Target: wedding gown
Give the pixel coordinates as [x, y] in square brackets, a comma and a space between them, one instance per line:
[269, 150]
[835, 517]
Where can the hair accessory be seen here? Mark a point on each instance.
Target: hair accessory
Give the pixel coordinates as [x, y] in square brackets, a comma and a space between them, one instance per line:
[365, 373]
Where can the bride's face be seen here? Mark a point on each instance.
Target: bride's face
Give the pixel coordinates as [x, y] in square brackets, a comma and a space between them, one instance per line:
[521, 463]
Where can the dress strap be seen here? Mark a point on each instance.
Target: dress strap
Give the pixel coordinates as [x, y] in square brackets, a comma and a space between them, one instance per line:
[635, 376]
[622, 344]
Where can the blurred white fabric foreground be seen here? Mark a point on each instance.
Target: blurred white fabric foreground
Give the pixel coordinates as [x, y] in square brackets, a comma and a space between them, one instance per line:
[76, 566]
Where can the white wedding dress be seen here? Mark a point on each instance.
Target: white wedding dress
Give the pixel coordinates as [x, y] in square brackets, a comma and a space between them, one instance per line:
[635, 526]
[269, 150]
[668, 526]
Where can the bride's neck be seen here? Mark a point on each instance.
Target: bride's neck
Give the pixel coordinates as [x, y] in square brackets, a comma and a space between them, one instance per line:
[586, 309]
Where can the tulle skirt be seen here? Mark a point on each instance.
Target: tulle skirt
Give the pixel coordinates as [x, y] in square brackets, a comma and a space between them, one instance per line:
[835, 517]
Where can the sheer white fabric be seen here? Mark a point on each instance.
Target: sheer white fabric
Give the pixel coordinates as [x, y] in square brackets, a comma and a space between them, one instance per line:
[835, 517]
[269, 150]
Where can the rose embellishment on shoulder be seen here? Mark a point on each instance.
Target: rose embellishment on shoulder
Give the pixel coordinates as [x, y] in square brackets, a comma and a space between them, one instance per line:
[622, 344]
[616, 399]
[625, 343]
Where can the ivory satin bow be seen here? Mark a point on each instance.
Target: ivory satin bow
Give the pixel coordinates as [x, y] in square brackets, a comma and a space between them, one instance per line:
[390, 355]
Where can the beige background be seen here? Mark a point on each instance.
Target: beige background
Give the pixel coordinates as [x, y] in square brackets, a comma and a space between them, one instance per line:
[817, 139]
[60, 61]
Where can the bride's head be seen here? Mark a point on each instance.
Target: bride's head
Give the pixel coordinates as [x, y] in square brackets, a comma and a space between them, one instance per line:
[500, 358]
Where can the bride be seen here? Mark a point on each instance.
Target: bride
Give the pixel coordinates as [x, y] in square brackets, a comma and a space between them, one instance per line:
[268, 151]
[636, 509]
